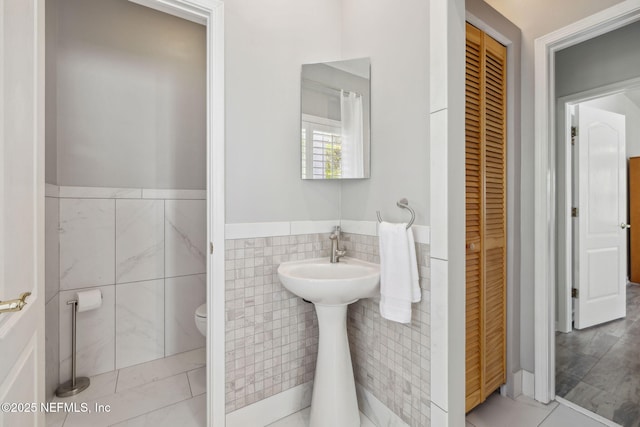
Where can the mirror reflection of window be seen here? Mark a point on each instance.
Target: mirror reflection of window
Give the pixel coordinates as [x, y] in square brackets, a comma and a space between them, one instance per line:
[335, 120]
[321, 148]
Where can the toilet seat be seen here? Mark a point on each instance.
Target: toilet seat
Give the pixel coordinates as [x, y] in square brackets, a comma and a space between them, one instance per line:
[201, 311]
[200, 317]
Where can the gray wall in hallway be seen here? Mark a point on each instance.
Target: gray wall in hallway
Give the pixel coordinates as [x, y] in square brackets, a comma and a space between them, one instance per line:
[603, 60]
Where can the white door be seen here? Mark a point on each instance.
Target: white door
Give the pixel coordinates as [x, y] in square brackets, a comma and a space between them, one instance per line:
[22, 209]
[601, 239]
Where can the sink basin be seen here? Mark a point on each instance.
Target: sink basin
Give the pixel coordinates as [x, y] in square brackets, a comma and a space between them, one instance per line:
[321, 282]
[331, 288]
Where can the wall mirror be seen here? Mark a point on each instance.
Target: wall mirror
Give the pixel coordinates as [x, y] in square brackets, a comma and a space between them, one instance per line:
[335, 119]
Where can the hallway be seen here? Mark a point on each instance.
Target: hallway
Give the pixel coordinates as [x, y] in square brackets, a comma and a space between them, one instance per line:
[598, 367]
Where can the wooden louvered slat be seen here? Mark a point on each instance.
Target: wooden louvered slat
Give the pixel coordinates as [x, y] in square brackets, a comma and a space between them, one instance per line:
[473, 156]
[495, 217]
[485, 134]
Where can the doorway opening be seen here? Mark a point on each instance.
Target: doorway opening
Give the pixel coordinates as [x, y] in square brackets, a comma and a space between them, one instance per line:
[547, 223]
[597, 306]
[135, 208]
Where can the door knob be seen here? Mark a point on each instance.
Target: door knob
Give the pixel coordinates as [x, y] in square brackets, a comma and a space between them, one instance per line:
[14, 304]
[623, 225]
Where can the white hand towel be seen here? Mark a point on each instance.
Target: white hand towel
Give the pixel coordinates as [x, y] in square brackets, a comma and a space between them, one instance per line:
[399, 282]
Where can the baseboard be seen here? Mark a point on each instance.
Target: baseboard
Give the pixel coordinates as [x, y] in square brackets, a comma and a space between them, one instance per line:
[528, 381]
[271, 409]
[377, 411]
[439, 417]
[517, 384]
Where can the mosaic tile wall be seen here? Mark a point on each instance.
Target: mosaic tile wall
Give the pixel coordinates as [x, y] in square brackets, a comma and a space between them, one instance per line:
[390, 359]
[271, 335]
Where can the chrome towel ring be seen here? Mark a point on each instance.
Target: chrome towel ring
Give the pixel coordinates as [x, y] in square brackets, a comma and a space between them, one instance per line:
[404, 204]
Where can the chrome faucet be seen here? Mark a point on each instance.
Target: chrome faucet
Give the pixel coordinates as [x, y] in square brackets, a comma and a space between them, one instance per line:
[336, 252]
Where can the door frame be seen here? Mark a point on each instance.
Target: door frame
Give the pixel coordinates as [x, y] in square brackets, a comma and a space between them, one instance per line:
[545, 172]
[565, 193]
[25, 329]
[210, 13]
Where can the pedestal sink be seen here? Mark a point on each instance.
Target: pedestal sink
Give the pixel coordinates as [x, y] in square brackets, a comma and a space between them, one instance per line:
[331, 288]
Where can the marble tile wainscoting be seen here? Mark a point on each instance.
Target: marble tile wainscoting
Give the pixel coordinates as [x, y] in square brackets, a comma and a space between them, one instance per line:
[272, 335]
[391, 360]
[145, 250]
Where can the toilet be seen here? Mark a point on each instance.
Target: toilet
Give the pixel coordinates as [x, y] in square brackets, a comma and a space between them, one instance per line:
[201, 319]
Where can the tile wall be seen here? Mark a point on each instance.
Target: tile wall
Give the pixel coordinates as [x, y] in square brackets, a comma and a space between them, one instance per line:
[391, 359]
[271, 335]
[145, 250]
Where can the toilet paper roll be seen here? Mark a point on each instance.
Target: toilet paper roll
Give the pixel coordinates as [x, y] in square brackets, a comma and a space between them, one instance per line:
[89, 300]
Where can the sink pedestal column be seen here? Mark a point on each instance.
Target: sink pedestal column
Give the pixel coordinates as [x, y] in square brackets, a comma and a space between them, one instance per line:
[334, 402]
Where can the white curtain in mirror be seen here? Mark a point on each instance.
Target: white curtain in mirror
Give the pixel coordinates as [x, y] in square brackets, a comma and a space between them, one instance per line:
[352, 134]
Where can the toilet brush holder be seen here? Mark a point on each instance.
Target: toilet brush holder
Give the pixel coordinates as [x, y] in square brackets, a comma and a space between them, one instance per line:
[74, 385]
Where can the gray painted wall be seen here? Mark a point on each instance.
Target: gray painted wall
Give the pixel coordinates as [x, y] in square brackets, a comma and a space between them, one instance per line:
[263, 60]
[130, 97]
[396, 38]
[51, 115]
[607, 59]
[266, 44]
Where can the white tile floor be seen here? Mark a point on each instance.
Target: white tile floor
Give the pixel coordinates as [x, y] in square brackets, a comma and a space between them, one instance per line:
[171, 392]
[162, 393]
[301, 419]
[497, 411]
[500, 411]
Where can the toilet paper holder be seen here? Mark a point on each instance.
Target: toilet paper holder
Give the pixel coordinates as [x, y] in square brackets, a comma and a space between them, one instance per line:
[74, 385]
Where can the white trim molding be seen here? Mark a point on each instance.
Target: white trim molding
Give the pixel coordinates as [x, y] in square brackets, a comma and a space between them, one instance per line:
[376, 411]
[545, 225]
[447, 210]
[249, 230]
[528, 383]
[273, 408]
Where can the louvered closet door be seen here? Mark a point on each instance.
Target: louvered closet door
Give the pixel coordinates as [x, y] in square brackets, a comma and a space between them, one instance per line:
[485, 127]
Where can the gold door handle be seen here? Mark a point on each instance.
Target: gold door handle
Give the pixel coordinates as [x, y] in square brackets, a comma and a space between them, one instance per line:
[14, 304]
